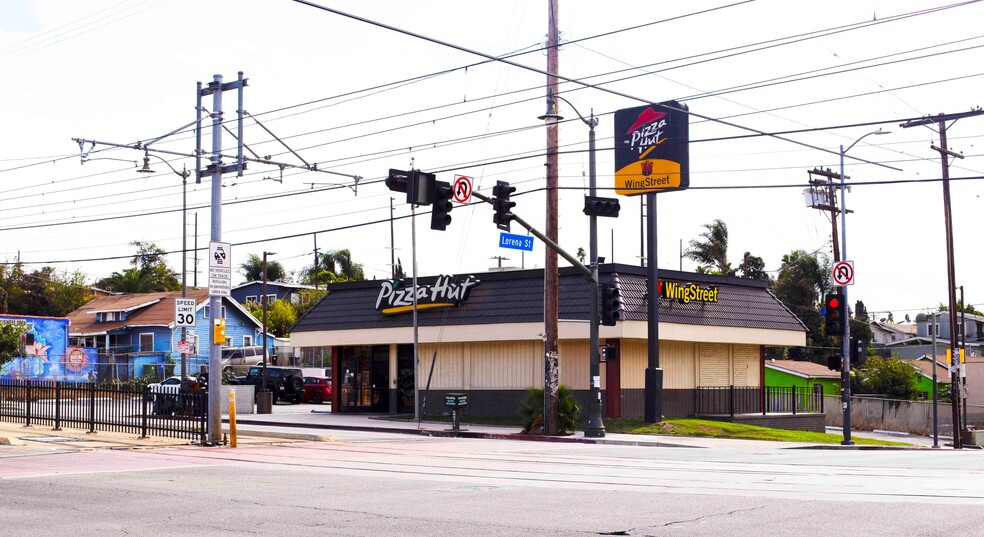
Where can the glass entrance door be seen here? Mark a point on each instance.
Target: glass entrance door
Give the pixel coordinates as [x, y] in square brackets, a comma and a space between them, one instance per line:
[365, 379]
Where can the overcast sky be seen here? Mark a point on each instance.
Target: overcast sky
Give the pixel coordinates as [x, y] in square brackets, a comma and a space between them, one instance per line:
[359, 99]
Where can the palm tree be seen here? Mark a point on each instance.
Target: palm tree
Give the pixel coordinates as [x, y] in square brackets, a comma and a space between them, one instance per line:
[712, 253]
[131, 280]
[252, 269]
[335, 266]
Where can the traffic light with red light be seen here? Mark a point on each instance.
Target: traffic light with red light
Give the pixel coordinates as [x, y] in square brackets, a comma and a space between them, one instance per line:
[835, 311]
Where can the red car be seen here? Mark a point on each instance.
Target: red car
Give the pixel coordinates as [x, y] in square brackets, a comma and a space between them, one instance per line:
[317, 389]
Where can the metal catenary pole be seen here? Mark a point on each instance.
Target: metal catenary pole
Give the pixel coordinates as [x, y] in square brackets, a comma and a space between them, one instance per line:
[215, 301]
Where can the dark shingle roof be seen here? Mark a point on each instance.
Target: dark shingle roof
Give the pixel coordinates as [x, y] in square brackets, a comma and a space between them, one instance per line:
[517, 297]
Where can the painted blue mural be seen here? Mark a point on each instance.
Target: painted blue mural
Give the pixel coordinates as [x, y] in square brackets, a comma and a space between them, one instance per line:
[47, 355]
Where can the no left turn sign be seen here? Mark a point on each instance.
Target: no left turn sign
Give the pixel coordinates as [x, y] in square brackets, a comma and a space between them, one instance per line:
[843, 273]
[462, 188]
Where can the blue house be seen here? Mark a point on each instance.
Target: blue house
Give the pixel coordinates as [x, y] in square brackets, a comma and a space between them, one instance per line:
[253, 292]
[133, 334]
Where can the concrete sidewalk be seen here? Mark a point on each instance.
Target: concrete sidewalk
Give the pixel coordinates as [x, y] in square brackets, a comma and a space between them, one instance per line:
[292, 423]
[320, 419]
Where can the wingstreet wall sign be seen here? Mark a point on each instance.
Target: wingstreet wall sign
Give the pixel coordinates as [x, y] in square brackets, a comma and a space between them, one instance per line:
[652, 151]
[687, 292]
[395, 297]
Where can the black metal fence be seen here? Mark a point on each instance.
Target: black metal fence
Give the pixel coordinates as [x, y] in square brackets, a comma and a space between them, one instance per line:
[731, 400]
[104, 408]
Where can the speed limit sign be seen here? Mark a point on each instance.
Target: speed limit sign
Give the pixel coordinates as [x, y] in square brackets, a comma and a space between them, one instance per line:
[184, 311]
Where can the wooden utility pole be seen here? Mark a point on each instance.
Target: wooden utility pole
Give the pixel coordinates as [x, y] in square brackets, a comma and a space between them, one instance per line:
[940, 122]
[551, 276]
[831, 205]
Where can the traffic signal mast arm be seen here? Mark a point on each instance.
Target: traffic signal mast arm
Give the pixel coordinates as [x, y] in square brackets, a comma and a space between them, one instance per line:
[588, 273]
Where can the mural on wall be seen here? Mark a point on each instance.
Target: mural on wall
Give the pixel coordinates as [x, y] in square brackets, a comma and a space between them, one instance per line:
[47, 355]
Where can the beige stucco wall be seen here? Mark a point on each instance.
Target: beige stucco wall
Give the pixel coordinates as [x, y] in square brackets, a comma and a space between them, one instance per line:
[477, 358]
[512, 365]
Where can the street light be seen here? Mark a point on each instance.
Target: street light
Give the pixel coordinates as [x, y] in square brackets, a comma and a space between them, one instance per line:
[266, 397]
[846, 336]
[184, 173]
[595, 427]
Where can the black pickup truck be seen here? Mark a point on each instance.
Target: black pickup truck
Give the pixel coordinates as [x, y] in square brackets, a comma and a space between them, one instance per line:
[286, 383]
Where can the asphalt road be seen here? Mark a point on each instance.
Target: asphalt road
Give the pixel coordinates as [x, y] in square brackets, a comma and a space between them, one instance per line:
[362, 483]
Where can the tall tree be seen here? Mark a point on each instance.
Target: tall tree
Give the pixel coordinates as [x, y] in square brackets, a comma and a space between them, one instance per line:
[753, 268]
[149, 272]
[252, 270]
[281, 315]
[801, 282]
[860, 312]
[890, 377]
[334, 266]
[42, 292]
[712, 252]
[969, 308]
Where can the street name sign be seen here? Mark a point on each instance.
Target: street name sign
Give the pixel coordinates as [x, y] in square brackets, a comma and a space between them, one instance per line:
[516, 242]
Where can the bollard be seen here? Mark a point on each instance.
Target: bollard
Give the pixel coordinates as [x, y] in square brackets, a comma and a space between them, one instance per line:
[232, 417]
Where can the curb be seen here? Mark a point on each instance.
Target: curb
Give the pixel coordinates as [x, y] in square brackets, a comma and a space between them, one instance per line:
[447, 433]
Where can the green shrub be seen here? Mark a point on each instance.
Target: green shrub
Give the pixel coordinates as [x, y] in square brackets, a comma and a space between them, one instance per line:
[532, 410]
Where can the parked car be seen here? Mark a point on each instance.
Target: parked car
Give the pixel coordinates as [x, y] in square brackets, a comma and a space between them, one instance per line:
[317, 389]
[239, 358]
[167, 396]
[286, 383]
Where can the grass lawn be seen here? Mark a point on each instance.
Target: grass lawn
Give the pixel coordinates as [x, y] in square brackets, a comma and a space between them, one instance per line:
[722, 429]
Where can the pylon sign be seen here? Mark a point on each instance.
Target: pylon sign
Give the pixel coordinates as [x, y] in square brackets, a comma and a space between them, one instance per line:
[652, 148]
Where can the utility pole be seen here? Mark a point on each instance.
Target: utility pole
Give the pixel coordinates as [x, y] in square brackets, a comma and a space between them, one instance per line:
[551, 276]
[831, 201]
[316, 261]
[940, 121]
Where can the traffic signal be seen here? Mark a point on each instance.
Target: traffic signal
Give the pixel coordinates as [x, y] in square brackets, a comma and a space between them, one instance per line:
[503, 207]
[858, 354]
[834, 363]
[611, 304]
[442, 206]
[419, 186]
[598, 206]
[397, 180]
[835, 310]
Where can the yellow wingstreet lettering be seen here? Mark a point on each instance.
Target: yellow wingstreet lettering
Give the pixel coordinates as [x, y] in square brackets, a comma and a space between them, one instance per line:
[689, 293]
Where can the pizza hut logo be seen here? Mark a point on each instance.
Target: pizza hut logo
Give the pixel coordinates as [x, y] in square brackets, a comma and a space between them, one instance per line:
[647, 168]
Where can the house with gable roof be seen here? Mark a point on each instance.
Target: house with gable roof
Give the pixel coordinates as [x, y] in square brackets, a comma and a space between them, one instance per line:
[800, 373]
[133, 333]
